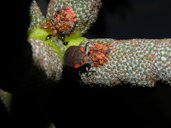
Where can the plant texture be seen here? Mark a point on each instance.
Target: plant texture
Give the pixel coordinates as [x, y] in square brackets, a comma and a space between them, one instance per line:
[138, 62]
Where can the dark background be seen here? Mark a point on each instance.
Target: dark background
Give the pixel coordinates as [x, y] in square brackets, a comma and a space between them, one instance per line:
[71, 104]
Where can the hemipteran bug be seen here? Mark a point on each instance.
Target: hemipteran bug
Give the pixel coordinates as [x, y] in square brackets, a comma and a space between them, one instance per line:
[77, 58]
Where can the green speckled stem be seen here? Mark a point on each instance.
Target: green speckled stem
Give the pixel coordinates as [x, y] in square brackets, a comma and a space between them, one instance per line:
[86, 11]
[36, 15]
[139, 62]
[46, 59]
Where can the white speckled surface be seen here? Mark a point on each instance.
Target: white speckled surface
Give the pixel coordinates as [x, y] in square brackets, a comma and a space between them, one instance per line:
[139, 62]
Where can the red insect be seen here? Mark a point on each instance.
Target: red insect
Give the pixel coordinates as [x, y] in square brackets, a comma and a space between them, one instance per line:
[75, 57]
[98, 54]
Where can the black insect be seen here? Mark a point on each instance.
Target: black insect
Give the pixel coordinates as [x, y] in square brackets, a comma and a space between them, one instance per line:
[74, 56]
[65, 43]
[48, 37]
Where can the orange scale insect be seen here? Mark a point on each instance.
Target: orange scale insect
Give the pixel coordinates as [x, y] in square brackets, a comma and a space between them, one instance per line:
[63, 22]
[100, 53]
[99, 46]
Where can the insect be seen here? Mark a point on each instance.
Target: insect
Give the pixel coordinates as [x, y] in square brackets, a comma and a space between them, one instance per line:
[65, 43]
[75, 57]
[48, 37]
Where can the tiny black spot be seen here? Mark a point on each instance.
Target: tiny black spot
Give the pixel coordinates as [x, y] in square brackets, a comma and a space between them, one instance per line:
[48, 37]
[65, 43]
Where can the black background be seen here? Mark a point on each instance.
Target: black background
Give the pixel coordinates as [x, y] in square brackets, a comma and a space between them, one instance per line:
[71, 104]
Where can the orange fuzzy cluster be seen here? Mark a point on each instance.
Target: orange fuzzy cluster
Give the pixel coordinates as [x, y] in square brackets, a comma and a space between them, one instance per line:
[62, 22]
[100, 53]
